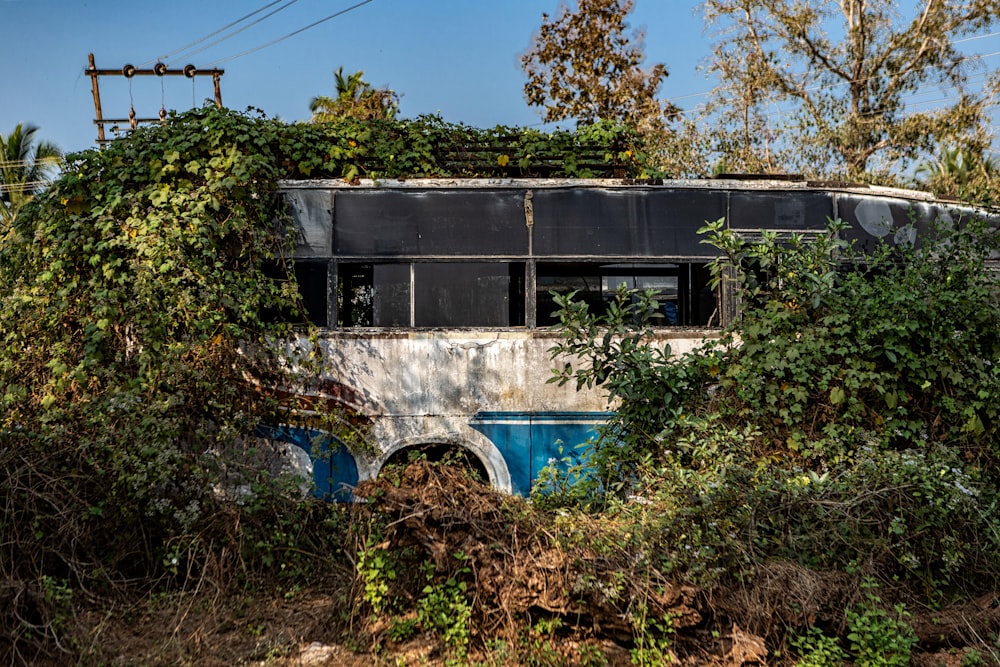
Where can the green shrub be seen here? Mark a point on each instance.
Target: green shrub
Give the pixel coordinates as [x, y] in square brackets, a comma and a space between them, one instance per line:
[847, 420]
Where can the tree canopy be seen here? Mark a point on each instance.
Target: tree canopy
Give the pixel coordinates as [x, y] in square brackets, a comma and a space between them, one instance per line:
[962, 173]
[355, 98]
[823, 87]
[582, 65]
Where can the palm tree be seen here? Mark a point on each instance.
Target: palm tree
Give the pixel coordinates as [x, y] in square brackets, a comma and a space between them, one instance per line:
[957, 168]
[26, 167]
[355, 98]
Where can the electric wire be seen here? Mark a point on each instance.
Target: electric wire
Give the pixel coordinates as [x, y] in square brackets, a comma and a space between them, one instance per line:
[291, 34]
[23, 187]
[188, 54]
[7, 164]
[198, 41]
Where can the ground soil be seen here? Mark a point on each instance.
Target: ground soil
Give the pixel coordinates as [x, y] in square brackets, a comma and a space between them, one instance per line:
[307, 629]
[518, 576]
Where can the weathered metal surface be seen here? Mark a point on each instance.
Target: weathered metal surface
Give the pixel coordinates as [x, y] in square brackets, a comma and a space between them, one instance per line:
[451, 252]
[443, 386]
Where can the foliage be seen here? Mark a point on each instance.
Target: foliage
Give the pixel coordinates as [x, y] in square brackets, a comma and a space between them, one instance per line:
[846, 422]
[26, 166]
[816, 649]
[837, 76]
[654, 638]
[961, 172]
[377, 569]
[877, 637]
[355, 98]
[583, 66]
[138, 339]
[900, 343]
[429, 147]
[444, 607]
[612, 350]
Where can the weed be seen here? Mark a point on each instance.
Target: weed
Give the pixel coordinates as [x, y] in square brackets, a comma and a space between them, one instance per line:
[879, 638]
[443, 608]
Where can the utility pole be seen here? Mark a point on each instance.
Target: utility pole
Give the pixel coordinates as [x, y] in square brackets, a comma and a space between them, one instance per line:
[129, 71]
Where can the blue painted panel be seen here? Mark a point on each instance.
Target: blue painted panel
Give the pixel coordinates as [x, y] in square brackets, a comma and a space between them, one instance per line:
[529, 441]
[512, 436]
[335, 472]
[558, 440]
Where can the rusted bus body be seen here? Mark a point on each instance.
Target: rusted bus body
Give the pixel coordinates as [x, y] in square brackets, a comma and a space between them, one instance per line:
[483, 390]
[434, 297]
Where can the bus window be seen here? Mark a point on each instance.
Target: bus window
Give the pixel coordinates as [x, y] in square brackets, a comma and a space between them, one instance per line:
[682, 289]
[454, 294]
[312, 280]
[354, 295]
[391, 295]
[431, 294]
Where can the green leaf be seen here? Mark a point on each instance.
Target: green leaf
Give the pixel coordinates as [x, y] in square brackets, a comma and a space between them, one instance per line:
[837, 395]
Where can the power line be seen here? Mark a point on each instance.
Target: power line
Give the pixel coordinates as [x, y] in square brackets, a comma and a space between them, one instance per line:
[22, 187]
[975, 37]
[292, 34]
[210, 35]
[188, 54]
[17, 164]
[974, 78]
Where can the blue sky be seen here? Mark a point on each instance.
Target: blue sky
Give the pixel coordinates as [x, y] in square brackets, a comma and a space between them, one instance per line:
[458, 58]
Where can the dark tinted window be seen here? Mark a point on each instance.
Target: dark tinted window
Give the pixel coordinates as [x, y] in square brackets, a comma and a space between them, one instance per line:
[412, 223]
[313, 287]
[444, 294]
[634, 223]
[780, 210]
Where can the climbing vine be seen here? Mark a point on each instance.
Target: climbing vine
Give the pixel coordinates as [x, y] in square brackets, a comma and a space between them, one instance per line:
[147, 311]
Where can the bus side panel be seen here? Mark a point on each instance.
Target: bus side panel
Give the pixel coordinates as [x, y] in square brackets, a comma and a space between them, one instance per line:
[334, 470]
[511, 434]
[530, 441]
[558, 439]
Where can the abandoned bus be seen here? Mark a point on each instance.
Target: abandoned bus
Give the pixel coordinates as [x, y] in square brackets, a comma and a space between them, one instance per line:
[435, 298]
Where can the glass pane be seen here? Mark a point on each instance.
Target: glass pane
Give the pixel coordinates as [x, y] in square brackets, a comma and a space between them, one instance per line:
[462, 294]
[383, 223]
[313, 288]
[391, 295]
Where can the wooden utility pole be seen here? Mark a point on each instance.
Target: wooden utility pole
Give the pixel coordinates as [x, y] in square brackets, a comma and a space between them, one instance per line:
[128, 71]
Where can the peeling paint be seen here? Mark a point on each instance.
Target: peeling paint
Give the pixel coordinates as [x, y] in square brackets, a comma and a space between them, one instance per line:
[476, 258]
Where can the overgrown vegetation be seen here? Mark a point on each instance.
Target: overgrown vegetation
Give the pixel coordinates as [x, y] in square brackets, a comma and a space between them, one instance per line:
[135, 356]
[803, 490]
[139, 345]
[847, 424]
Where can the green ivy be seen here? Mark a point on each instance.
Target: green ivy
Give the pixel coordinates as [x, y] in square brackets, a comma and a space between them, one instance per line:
[137, 348]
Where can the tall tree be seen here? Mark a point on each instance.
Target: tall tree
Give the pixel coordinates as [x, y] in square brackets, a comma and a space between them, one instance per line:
[25, 168]
[582, 65]
[355, 98]
[822, 86]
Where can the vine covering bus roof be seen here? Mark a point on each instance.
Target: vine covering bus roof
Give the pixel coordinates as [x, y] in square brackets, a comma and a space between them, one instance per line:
[428, 147]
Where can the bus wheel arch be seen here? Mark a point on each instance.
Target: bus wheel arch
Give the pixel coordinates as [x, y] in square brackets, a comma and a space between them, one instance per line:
[482, 453]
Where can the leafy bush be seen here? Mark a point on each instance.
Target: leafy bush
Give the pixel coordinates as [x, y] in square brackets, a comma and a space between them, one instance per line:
[847, 421]
[137, 338]
[877, 637]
